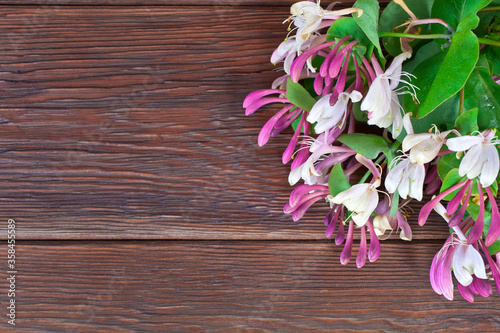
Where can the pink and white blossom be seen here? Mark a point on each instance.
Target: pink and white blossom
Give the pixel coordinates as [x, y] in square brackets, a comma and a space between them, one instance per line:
[481, 158]
[327, 116]
[406, 177]
[308, 16]
[361, 199]
[424, 147]
[381, 101]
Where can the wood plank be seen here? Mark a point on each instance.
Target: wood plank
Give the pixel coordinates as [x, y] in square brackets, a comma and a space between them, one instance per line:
[163, 2]
[115, 126]
[233, 286]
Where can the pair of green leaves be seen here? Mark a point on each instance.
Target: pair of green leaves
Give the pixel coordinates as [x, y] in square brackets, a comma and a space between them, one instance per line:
[441, 70]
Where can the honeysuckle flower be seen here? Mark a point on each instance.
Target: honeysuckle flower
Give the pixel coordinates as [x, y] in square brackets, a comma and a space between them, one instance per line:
[481, 158]
[327, 116]
[289, 49]
[315, 173]
[381, 101]
[461, 256]
[424, 147]
[308, 16]
[406, 177]
[361, 199]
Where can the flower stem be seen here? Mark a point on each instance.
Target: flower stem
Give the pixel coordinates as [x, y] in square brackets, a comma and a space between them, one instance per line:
[488, 41]
[403, 35]
[489, 9]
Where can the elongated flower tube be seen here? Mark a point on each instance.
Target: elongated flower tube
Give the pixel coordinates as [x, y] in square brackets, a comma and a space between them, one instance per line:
[481, 158]
[427, 208]
[302, 198]
[440, 272]
[494, 230]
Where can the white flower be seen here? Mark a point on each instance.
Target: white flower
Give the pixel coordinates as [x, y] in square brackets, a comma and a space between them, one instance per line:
[466, 262]
[407, 177]
[381, 101]
[391, 117]
[424, 147]
[361, 199]
[328, 116]
[307, 172]
[481, 157]
[312, 15]
[381, 224]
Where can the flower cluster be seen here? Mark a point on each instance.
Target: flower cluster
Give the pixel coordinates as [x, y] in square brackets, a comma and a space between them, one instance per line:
[427, 138]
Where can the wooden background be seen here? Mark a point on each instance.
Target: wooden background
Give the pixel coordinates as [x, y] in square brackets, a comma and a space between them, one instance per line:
[142, 200]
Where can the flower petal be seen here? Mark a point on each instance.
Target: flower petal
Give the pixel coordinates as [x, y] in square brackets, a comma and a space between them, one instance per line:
[463, 143]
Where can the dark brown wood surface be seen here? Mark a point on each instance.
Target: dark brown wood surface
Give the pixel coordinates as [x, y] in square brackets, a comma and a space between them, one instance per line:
[121, 122]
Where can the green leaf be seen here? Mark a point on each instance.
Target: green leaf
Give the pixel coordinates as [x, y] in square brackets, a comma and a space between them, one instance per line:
[460, 14]
[368, 145]
[447, 163]
[466, 123]
[395, 204]
[368, 22]
[427, 51]
[299, 96]
[345, 26]
[359, 115]
[337, 182]
[452, 178]
[493, 55]
[393, 16]
[443, 117]
[495, 247]
[444, 74]
[483, 92]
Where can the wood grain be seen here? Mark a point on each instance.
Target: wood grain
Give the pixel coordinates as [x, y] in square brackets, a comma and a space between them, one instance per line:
[233, 286]
[127, 124]
[121, 121]
[165, 2]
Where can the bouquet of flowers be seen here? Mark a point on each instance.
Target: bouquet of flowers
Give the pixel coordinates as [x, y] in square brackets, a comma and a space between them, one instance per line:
[424, 74]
